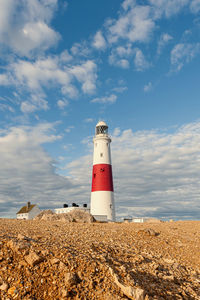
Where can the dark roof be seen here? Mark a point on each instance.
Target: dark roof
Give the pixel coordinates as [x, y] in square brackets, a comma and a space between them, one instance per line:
[25, 209]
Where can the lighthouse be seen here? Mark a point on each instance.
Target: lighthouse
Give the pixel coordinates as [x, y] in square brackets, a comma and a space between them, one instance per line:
[102, 192]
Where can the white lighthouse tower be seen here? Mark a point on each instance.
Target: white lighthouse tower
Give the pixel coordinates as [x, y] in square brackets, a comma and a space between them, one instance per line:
[102, 193]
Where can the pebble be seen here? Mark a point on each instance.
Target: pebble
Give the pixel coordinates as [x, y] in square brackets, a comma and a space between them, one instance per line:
[4, 287]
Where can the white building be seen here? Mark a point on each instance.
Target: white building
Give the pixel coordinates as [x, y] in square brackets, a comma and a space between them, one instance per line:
[28, 211]
[146, 220]
[102, 205]
[64, 210]
[138, 220]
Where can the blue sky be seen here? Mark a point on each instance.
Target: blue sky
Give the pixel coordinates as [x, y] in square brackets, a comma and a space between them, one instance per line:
[64, 65]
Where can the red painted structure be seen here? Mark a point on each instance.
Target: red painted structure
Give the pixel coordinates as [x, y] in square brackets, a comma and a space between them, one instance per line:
[102, 178]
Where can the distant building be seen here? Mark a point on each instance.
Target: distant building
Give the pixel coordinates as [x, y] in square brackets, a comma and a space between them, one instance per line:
[146, 220]
[65, 209]
[28, 212]
[138, 220]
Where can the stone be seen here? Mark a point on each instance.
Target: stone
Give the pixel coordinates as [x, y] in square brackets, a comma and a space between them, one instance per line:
[63, 266]
[134, 293]
[168, 261]
[33, 259]
[12, 291]
[18, 246]
[70, 279]
[22, 237]
[4, 286]
[150, 232]
[54, 261]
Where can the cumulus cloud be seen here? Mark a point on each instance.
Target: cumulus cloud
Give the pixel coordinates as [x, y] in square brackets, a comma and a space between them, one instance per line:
[107, 99]
[140, 61]
[163, 41]
[122, 63]
[27, 171]
[36, 74]
[24, 25]
[195, 6]
[120, 56]
[168, 7]
[86, 75]
[35, 102]
[62, 103]
[81, 49]
[48, 73]
[134, 24]
[148, 87]
[183, 53]
[4, 79]
[155, 173]
[120, 89]
[99, 41]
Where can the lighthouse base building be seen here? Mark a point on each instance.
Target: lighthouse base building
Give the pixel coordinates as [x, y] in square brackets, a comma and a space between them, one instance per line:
[102, 192]
[102, 207]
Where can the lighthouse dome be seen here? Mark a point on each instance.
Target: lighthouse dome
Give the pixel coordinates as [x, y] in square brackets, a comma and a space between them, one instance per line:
[101, 123]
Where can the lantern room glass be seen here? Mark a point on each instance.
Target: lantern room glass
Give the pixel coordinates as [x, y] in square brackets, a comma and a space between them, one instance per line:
[101, 129]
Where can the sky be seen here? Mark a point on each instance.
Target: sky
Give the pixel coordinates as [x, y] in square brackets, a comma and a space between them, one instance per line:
[65, 65]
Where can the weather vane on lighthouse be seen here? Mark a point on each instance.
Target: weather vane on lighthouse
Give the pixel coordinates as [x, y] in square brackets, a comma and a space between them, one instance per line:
[102, 194]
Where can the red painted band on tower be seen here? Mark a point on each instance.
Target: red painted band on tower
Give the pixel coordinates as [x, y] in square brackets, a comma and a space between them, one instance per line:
[102, 178]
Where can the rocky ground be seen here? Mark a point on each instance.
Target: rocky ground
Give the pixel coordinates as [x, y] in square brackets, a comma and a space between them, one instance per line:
[43, 259]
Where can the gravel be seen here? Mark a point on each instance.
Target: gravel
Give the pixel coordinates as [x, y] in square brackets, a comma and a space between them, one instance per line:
[50, 259]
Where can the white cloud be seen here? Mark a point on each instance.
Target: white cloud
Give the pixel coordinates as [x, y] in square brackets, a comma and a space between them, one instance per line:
[164, 39]
[120, 55]
[24, 25]
[195, 6]
[134, 24]
[48, 73]
[4, 80]
[6, 11]
[81, 49]
[168, 7]
[148, 87]
[99, 41]
[65, 56]
[183, 53]
[62, 103]
[122, 63]
[107, 99]
[116, 131]
[27, 172]
[6, 107]
[35, 102]
[88, 120]
[128, 3]
[140, 61]
[86, 75]
[39, 73]
[120, 89]
[69, 129]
